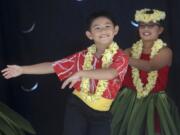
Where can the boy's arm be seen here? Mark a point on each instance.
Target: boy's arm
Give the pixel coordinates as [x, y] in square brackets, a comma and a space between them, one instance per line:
[118, 68]
[12, 71]
[97, 74]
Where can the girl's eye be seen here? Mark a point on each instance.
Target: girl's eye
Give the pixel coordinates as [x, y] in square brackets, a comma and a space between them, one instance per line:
[142, 26]
[147, 25]
[108, 26]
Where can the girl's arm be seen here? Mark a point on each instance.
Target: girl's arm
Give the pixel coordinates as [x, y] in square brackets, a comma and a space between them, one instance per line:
[128, 51]
[15, 70]
[160, 60]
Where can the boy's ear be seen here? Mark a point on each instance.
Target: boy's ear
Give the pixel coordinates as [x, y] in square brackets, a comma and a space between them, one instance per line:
[89, 35]
[116, 30]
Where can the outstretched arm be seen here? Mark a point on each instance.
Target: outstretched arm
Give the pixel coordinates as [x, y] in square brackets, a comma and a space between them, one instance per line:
[162, 59]
[12, 71]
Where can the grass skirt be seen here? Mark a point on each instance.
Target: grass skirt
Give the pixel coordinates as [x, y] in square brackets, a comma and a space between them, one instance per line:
[132, 116]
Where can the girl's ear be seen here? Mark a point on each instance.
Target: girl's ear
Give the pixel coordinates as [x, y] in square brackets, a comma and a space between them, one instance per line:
[89, 35]
[161, 29]
[116, 30]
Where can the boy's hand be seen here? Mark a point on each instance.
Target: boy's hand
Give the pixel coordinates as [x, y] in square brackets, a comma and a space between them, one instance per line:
[72, 80]
[12, 71]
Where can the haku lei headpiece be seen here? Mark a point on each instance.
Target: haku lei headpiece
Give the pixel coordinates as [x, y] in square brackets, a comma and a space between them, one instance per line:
[149, 15]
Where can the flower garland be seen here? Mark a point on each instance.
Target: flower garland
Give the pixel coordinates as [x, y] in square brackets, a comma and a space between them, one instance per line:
[107, 57]
[143, 91]
[143, 15]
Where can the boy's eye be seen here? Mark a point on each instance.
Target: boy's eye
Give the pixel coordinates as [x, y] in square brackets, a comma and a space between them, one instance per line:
[102, 27]
[108, 26]
[97, 28]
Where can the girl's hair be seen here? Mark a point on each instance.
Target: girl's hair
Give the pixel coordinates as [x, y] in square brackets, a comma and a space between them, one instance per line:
[98, 14]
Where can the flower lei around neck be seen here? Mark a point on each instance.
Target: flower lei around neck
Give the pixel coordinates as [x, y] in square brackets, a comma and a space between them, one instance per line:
[107, 58]
[142, 89]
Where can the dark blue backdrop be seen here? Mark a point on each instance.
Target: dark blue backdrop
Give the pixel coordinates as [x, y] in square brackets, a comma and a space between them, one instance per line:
[46, 30]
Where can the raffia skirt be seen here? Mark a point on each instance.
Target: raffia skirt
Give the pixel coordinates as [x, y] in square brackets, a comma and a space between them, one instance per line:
[132, 116]
[12, 123]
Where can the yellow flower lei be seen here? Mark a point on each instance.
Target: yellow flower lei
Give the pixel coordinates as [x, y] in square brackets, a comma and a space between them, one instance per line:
[102, 84]
[143, 16]
[143, 91]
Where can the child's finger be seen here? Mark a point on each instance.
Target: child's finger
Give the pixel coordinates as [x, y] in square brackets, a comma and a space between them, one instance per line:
[72, 84]
[6, 73]
[65, 83]
[8, 76]
[5, 70]
[10, 65]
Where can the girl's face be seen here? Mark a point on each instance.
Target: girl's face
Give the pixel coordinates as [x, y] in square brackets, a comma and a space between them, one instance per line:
[102, 31]
[149, 31]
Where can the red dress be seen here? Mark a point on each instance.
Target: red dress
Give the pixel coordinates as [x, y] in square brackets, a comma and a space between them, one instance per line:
[161, 82]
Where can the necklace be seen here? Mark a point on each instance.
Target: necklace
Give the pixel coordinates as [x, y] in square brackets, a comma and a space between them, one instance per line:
[107, 58]
[144, 89]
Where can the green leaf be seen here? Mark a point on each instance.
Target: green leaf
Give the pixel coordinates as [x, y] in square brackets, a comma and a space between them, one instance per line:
[15, 119]
[136, 122]
[150, 118]
[166, 113]
[6, 128]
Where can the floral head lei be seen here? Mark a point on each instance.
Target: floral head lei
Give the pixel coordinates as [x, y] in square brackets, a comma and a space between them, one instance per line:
[144, 90]
[107, 58]
[149, 15]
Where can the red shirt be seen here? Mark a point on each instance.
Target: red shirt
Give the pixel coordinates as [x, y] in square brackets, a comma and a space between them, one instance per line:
[161, 82]
[64, 68]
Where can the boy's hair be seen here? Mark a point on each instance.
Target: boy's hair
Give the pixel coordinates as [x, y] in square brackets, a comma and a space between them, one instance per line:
[98, 14]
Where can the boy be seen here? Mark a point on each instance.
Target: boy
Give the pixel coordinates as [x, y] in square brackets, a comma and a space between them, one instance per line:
[96, 74]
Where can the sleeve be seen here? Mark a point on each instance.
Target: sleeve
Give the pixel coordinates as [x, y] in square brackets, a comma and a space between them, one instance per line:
[65, 67]
[120, 64]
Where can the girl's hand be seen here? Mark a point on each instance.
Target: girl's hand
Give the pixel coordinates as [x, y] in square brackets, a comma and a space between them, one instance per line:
[72, 80]
[12, 71]
[127, 51]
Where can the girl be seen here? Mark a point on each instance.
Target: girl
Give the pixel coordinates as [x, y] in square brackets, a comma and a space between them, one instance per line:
[142, 107]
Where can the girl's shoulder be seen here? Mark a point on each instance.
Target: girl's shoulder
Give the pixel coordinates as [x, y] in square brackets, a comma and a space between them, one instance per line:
[166, 50]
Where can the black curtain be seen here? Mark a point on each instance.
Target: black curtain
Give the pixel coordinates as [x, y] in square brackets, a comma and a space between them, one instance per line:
[46, 30]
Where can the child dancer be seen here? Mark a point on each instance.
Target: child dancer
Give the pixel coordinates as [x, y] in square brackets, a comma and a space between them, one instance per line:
[96, 74]
[143, 107]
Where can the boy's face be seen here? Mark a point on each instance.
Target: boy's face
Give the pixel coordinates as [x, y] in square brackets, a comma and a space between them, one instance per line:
[102, 31]
[150, 31]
